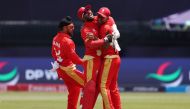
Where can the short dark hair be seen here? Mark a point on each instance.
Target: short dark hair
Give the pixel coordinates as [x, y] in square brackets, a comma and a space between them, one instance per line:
[64, 22]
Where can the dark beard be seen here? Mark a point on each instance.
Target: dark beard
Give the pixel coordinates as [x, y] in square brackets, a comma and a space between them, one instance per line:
[70, 34]
[89, 19]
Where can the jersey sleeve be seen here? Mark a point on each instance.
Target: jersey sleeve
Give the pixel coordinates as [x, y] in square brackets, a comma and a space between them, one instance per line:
[72, 54]
[53, 52]
[106, 29]
[92, 43]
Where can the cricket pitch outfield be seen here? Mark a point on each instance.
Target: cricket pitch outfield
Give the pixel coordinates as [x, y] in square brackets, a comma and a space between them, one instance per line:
[49, 100]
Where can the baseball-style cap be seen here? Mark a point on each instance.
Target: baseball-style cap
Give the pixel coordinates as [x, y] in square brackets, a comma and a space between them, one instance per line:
[82, 10]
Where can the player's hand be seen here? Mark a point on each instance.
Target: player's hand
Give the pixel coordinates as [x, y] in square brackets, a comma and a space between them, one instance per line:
[55, 66]
[90, 36]
[108, 38]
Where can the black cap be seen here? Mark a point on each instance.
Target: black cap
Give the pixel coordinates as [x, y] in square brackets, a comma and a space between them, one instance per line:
[65, 21]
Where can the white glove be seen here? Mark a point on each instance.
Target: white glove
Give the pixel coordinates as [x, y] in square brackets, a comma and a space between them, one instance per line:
[115, 32]
[55, 66]
[116, 45]
[116, 35]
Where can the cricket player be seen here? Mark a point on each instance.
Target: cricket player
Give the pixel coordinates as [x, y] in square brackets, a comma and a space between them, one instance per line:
[93, 44]
[111, 61]
[63, 52]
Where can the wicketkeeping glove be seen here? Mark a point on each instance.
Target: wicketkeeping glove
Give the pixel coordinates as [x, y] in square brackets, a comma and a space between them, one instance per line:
[108, 38]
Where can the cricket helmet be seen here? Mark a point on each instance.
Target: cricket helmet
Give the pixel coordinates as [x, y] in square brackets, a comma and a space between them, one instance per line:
[104, 12]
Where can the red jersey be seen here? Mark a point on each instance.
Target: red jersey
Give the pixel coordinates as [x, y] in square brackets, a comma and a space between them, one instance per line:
[63, 50]
[105, 29]
[92, 46]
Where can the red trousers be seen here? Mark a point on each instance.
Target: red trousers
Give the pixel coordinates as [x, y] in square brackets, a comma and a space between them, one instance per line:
[107, 82]
[74, 80]
[91, 69]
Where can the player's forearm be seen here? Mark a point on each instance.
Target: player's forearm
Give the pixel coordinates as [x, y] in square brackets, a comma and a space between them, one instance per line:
[75, 58]
[95, 43]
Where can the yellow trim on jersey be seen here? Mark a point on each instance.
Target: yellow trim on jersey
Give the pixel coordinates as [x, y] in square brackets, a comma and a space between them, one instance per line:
[98, 52]
[68, 68]
[71, 72]
[104, 78]
[87, 57]
[111, 56]
[89, 69]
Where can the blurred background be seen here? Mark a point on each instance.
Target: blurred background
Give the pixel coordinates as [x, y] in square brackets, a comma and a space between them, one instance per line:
[155, 42]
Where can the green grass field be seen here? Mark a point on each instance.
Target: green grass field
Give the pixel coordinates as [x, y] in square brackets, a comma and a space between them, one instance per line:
[47, 100]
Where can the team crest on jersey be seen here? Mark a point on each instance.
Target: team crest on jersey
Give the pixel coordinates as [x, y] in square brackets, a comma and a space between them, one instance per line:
[98, 52]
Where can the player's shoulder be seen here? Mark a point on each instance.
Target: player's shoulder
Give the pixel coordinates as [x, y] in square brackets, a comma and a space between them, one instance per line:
[110, 21]
[56, 37]
[107, 27]
[66, 40]
[95, 19]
